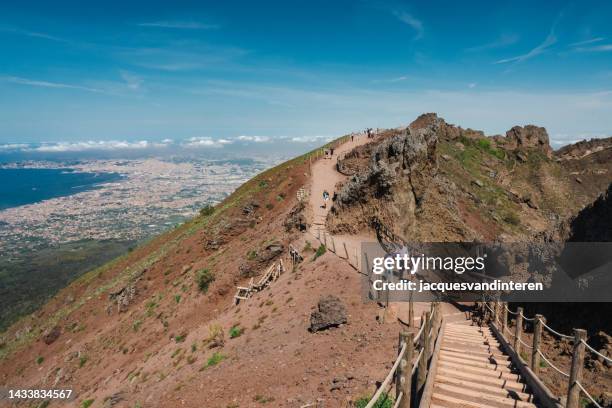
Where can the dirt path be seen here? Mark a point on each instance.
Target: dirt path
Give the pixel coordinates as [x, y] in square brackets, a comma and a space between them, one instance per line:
[325, 177]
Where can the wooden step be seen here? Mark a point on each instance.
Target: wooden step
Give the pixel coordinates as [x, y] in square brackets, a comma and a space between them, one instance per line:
[470, 346]
[481, 396]
[479, 364]
[479, 386]
[474, 353]
[478, 370]
[465, 356]
[483, 379]
[476, 341]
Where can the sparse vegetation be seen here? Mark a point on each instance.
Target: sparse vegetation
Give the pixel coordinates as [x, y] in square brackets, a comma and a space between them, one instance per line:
[177, 298]
[385, 401]
[319, 252]
[40, 359]
[82, 361]
[207, 210]
[262, 399]
[307, 247]
[87, 403]
[204, 278]
[235, 331]
[136, 325]
[215, 359]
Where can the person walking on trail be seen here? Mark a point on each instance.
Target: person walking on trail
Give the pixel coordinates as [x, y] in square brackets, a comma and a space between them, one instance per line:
[325, 198]
[331, 151]
[352, 138]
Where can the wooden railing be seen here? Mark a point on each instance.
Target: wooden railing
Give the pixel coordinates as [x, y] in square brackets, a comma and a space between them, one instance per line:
[409, 372]
[497, 313]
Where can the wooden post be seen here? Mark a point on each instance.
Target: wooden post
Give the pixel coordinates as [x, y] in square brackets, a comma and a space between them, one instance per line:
[504, 318]
[518, 328]
[411, 311]
[573, 390]
[325, 238]
[333, 244]
[356, 259]
[345, 250]
[367, 262]
[537, 336]
[425, 343]
[403, 379]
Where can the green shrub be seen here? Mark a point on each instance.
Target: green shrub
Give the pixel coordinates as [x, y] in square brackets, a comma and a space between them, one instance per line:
[320, 251]
[235, 331]
[82, 361]
[87, 403]
[207, 210]
[177, 298]
[204, 278]
[512, 218]
[40, 359]
[385, 401]
[215, 359]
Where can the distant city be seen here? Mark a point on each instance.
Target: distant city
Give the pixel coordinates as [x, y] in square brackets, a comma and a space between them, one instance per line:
[152, 195]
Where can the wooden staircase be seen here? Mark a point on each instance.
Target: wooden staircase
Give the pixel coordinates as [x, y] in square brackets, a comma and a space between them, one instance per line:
[474, 372]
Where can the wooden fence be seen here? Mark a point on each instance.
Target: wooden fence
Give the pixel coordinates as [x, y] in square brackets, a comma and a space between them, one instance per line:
[498, 312]
[409, 372]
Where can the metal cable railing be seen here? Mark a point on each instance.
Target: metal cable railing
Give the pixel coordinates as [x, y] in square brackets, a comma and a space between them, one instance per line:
[608, 359]
[551, 364]
[578, 339]
[587, 394]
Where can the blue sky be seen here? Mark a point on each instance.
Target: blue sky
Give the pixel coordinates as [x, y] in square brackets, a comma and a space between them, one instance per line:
[147, 71]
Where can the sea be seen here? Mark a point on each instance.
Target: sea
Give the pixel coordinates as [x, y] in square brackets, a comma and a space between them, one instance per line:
[20, 186]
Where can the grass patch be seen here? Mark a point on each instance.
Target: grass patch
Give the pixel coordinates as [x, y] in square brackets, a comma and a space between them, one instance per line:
[262, 399]
[319, 252]
[207, 210]
[213, 360]
[87, 403]
[204, 278]
[82, 361]
[385, 401]
[236, 331]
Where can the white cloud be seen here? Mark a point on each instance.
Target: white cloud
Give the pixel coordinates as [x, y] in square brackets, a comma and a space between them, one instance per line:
[94, 145]
[14, 146]
[181, 25]
[550, 40]
[256, 139]
[132, 81]
[586, 42]
[503, 41]
[472, 85]
[205, 142]
[310, 139]
[47, 84]
[596, 48]
[412, 21]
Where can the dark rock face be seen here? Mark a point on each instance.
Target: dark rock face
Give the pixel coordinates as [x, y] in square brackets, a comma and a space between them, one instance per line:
[529, 136]
[331, 313]
[407, 157]
[296, 220]
[271, 252]
[51, 335]
[594, 222]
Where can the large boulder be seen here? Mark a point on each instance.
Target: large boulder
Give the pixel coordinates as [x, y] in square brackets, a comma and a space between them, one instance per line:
[330, 313]
[529, 136]
[51, 335]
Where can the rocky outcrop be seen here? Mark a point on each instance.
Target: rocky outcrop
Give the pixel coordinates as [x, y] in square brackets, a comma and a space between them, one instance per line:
[405, 158]
[529, 137]
[583, 148]
[51, 335]
[296, 220]
[330, 313]
[594, 222]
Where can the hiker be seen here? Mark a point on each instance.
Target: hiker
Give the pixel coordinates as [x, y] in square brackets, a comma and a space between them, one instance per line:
[352, 137]
[331, 151]
[325, 198]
